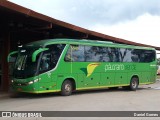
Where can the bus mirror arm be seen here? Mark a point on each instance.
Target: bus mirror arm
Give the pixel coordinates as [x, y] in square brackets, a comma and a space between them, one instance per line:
[35, 53]
[10, 54]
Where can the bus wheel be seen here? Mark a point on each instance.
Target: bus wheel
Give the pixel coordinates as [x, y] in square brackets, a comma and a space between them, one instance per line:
[134, 84]
[66, 88]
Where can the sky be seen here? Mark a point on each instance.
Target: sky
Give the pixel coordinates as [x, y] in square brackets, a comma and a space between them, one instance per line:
[133, 20]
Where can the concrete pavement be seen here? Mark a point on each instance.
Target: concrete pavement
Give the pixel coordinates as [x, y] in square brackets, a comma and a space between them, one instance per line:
[146, 98]
[4, 94]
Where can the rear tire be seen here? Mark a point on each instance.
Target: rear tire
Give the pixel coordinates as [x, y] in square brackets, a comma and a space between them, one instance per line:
[134, 84]
[66, 88]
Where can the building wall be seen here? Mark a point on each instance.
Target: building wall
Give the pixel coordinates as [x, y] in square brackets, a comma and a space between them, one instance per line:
[4, 65]
[0, 64]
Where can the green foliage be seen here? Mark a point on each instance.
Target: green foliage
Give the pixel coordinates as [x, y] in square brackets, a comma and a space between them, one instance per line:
[158, 61]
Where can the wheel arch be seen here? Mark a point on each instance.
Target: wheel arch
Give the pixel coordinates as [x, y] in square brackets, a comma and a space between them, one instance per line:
[72, 81]
[135, 76]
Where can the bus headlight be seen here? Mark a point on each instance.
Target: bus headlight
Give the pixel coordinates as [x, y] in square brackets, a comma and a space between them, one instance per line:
[31, 82]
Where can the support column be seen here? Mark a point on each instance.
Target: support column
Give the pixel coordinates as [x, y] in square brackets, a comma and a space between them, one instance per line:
[5, 66]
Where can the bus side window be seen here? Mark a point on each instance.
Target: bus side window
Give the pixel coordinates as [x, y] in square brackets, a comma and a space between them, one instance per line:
[54, 53]
[45, 62]
[96, 54]
[68, 56]
[149, 56]
[75, 54]
[143, 56]
[90, 53]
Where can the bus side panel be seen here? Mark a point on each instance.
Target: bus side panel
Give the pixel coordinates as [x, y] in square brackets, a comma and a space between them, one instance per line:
[92, 80]
[107, 79]
[47, 82]
[81, 79]
[153, 68]
[121, 78]
[145, 77]
[153, 77]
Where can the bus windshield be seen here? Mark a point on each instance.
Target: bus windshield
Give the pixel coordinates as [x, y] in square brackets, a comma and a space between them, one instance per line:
[24, 67]
[45, 61]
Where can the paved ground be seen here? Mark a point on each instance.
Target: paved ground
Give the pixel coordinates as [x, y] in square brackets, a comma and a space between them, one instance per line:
[146, 98]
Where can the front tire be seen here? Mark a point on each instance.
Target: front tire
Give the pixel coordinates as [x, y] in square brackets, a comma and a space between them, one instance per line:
[134, 84]
[66, 88]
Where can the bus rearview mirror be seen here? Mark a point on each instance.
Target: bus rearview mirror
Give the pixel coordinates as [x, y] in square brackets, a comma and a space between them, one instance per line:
[35, 53]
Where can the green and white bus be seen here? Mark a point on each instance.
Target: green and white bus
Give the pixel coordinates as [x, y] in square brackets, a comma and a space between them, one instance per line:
[67, 65]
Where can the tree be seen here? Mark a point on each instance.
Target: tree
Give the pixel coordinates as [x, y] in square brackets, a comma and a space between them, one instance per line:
[158, 61]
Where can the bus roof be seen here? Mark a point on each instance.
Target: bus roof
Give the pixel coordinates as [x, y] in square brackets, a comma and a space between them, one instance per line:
[43, 43]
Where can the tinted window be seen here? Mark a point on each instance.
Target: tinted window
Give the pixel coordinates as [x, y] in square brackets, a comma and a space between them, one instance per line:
[125, 55]
[81, 53]
[94, 54]
[75, 53]
[143, 55]
[50, 57]
[24, 67]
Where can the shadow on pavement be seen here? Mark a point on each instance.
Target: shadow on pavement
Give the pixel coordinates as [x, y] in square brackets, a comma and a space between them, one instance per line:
[47, 95]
